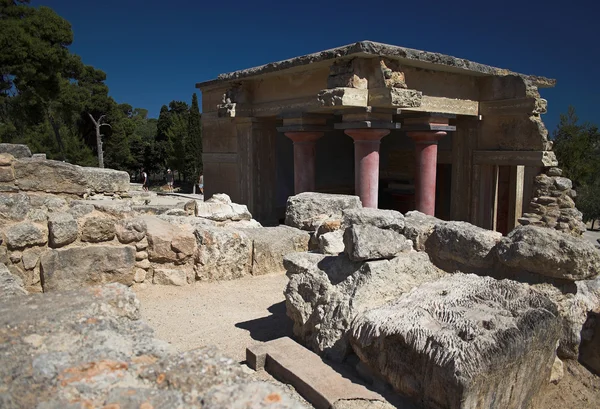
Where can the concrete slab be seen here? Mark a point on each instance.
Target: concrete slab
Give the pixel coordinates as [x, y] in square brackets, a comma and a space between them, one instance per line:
[316, 381]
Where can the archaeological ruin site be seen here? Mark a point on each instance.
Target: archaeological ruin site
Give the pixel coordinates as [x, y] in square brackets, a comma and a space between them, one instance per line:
[431, 251]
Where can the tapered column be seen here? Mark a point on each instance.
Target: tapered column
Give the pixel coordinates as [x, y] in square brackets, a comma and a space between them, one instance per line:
[304, 159]
[426, 149]
[366, 163]
[426, 129]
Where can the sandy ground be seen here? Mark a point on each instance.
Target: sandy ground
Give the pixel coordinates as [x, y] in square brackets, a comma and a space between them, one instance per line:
[236, 314]
[230, 314]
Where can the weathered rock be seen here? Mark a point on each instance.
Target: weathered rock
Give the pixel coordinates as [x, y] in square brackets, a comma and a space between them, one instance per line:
[130, 230]
[105, 180]
[307, 210]
[549, 253]
[54, 204]
[25, 234]
[456, 332]
[366, 242]
[563, 183]
[271, 244]
[62, 229]
[91, 347]
[98, 229]
[462, 246]
[141, 245]
[253, 395]
[558, 371]
[49, 176]
[418, 227]
[384, 219]
[575, 303]
[6, 159]
[589, 353]
[332, 242]
[218, 211]
[15, 256]
[223, 254]
[176, 212]
[144, 264]
[141, 255]
[325, 293]
[10, 284]
[17, 151]
[78, 210]
[239, 224]
[30, 258]
[219, 198]
[554, 172]
[166, 240]
[14, 206]
[6, 174]
[76, 267]
[169, 276]
[140, 275]
[116, 208]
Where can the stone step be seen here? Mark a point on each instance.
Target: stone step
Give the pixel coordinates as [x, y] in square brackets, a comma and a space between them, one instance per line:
[317, 382]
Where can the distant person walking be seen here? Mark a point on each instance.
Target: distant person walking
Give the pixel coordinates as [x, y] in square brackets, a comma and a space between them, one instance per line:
[145, 182]
[201, 183]
[170, 179]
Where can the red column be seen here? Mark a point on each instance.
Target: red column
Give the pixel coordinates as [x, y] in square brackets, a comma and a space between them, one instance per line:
[304, 159]
[366, 163]
[426, 167]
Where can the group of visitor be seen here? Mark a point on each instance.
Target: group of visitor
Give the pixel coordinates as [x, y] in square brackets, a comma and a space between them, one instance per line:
[170, 180]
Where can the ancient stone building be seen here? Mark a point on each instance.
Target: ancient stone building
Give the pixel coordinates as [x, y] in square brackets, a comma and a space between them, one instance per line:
[401, 128]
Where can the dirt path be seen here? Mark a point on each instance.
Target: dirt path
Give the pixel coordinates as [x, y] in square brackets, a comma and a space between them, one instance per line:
[230, 314]
[236, 314]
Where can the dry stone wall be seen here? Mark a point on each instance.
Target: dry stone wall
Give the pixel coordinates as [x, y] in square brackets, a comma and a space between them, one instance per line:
[552, 205]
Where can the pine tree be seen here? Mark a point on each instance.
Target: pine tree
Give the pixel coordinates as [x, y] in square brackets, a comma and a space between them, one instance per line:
[193, 148]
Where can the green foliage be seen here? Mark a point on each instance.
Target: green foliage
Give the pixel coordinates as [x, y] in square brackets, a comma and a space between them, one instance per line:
[577, 147]
[193, 146]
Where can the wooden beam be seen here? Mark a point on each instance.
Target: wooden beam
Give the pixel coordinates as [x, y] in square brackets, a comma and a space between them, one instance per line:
[515, 158]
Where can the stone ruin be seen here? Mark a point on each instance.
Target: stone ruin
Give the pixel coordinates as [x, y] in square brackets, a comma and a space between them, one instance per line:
[449, 314]
[552, 204]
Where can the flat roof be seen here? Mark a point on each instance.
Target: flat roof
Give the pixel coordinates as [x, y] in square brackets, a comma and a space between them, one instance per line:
[371, 49]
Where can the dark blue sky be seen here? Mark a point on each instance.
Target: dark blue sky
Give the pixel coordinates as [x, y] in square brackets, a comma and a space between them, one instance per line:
[155, 51]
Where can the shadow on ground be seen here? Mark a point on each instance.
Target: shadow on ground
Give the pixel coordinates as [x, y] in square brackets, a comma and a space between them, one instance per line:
[274, 326]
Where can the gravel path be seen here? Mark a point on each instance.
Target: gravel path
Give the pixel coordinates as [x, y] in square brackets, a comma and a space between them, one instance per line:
[230, 314]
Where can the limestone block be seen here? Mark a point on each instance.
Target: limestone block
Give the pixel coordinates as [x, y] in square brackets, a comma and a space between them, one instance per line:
[166, 276]
[166, 240]
[325, 293]
[25, 234]
[62, 229]
[332, 242]
[14, 206]
[97, 229]
[462, 246]
[141, 255]
[130, 230]
[223, 254]
[548, 252]
[418, 227]
[145, 264]
[384, 219]
[17, 151]
[343, 96]
[490, 343]
[367, 242]
[139, 276]
[30, 258]
[6, 174]
[75, 267]
[10, 284]
[223, 211]
[308, 210]
[6, 159]
[271, 244]
[49, 176]
[105, 180]
[396, 97]
[79, 210]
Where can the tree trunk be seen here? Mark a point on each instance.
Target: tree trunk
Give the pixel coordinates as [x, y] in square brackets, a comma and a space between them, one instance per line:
[59, 140]
[98, 139]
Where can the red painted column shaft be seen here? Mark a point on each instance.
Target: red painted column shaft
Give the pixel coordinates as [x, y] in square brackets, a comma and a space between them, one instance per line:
[366, 163]
[304, 159]
[426, 167]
